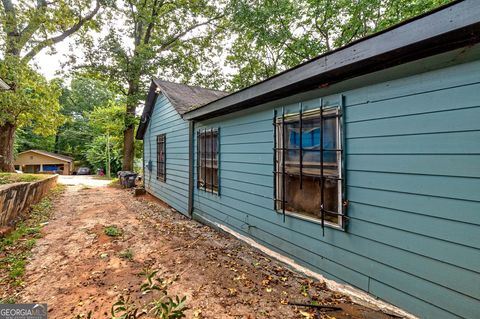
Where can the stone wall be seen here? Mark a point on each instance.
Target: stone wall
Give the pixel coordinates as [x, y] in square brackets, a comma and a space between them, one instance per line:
[16, 198]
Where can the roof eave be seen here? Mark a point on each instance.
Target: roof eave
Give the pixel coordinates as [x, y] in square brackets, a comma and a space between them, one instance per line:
[452, 27]
[147, 111]
[63, 158]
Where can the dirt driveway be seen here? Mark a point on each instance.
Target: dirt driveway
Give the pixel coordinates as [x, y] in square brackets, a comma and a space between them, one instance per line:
[76, 268]
[83, 180]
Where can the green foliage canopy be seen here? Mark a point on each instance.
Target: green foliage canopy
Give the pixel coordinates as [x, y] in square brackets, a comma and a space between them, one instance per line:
[34, 101]
[270, 36]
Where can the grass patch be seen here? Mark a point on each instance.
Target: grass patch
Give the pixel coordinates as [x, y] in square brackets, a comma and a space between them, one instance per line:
[112, 231]
[8, 178]
[8, 300]
[16, 247]
[115, 183]
[126, 254]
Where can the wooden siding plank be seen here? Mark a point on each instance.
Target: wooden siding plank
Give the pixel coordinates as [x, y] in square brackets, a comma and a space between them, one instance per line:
[441, 143]
[441, 122]
[440, 165]
[435, 80]
[427, 102]
[258, 147]
[437, 207]
[419, 307]
[439, 186]
[175, 190]
[448, 230]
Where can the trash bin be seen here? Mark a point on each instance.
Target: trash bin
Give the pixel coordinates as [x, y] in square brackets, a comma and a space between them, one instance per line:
[121, 177]
[129, 180]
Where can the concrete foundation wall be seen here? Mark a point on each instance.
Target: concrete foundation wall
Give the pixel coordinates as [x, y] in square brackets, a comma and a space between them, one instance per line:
[18, 197]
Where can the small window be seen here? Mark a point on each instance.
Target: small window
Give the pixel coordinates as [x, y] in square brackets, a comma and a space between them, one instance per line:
[207, 160]
[308, 165]
[161, 159]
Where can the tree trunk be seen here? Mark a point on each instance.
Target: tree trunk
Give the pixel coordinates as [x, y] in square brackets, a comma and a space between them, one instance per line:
[128, 148]
[128, 133]
[7, 137]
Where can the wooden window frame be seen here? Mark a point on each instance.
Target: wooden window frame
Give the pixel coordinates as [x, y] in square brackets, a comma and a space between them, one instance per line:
[162, 146]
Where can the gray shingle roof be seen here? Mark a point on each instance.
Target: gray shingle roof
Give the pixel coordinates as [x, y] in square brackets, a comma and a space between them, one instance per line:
[185, 97]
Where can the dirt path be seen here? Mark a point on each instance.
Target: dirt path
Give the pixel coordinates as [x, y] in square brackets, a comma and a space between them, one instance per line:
[76, 268]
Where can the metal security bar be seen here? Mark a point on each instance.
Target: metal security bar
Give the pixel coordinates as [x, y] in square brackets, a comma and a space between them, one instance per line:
[204, 178]
[275, 165]
[280, 173]
[301, 145]
[199, 156]
[218, 161]
[161, 158]
[207, 158]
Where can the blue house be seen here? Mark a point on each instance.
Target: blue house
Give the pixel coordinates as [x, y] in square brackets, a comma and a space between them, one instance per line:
[166, 139]
[362, 165]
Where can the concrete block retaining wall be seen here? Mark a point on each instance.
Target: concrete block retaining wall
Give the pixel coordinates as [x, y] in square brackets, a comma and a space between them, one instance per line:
[16, 198]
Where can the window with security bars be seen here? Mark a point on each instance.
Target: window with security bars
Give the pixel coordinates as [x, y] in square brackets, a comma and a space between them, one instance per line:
[308, 164]
[161, 158]
[207, 160]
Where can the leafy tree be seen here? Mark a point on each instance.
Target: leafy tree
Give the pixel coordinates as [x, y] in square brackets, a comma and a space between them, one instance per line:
[25, 139]
[172, 38]
[107, 124]
[26, 28]
[34, 103]
[273, 35]
[78, 100]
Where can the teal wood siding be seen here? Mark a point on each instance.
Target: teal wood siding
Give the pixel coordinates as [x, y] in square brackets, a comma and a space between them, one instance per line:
[413, 184]
[165, 119]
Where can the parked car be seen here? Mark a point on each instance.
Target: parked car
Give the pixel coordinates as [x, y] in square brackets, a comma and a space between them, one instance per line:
[83, 171]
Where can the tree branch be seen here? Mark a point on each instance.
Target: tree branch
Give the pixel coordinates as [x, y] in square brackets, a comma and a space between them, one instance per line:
[170, 42]
[10, 27]
[45, 43]
[151, 24]
[11, 15]
[34, 23]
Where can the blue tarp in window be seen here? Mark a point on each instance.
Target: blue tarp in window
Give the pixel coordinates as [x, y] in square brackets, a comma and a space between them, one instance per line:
[311, 141]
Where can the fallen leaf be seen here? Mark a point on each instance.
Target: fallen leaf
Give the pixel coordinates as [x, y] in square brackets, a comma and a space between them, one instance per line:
[306, 314]
[232, 291]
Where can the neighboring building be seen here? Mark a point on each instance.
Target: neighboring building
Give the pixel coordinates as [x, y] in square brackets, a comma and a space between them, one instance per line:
[35, 161]
[4, 86]
[362, 164]
[166, 145]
